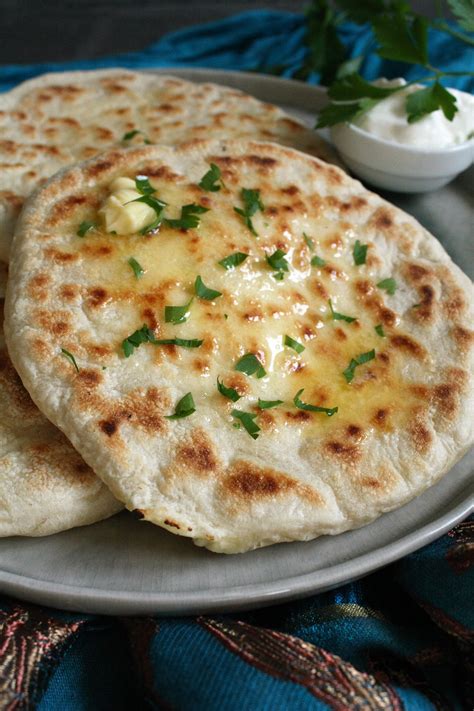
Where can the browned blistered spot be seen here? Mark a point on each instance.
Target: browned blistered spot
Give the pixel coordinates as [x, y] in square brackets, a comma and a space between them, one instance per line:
[319, 289]
[238, 381]
[108, 427]
[424, 310]
[60, 257]
[445, 396]
[290, 190]
[420, 434]
[97, 250]
[69, 292]
[354, 431]
[150, 318]
[200, 365]
[340, 335]
[382, 219]
[299, 415]
[163, 172]
[97, 296]
[198, 453]
[99, 167]
[14, 387]
[66, 207]
[262, 160]
[346, 453]
[90, 378]
[371, 483]
[462, 337]
[384, 357]
[255, 314]
[380, 417]
[423, 392]
[169, 522]
[416, 272]
[455, 304]
[408, 345]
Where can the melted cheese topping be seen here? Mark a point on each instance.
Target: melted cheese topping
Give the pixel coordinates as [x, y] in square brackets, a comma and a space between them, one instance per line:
[255, 311]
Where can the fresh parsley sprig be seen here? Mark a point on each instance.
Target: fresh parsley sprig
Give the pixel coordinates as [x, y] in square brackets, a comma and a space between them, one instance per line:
[252, 203]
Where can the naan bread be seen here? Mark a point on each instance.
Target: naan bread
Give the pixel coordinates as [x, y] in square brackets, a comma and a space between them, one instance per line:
[402, 421]
[59, 119]
[45, 486]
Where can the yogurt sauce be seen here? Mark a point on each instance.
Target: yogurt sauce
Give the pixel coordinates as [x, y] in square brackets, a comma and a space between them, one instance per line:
[388, 120]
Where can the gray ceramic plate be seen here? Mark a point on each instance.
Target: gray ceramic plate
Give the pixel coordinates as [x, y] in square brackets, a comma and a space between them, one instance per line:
[122, 566]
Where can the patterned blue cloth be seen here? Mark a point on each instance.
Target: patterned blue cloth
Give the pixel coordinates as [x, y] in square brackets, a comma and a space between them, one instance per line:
[399, 639]
[261, 39]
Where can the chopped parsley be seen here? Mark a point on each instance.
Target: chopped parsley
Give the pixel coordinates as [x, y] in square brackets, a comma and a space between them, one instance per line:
[146, 335]
[230, 393]
[308, 240]
[143, 185]
[189, 217]
[277, 261]
[268, 404]
[359, 360]
[318, 261]
[157, 205]
[389, 285]
[184, 408]
[131, 134]
[212, 180]
[250, 365]
[177, 314]
[70, 357]
[359, 253]
[252, 203]
[204, 292]
[233, 260]
[291, 343]
[340, 317]
[330, 411]
[86, 227]
[379, 330]
[247, 420]
[137, 268]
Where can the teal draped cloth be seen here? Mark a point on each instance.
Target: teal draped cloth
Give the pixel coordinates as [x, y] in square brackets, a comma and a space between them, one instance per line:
[400, 638]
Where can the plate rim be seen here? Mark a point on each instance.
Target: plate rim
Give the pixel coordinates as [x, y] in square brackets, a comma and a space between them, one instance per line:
[113, 602]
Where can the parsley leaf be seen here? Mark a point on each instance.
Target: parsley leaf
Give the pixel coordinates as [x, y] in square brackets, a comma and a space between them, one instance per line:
[402, 38]
[189, 217]
[268, 404]
[177, 314]
[278, 262]
[308, 241]
[330, 411]
[141, 335]
[70, 357]
[204, 292]
[318, 261]
[358, 360]
[143, 186]
[85, 227]
[464, 11]
[137, 268]
[291, 343]
[424, 101]
[325, 51]
[210, 179]
[233, 260]
[250, 365]
[252, 203]
[389, 285]
[247, 420]
[146, 335]
[184, 408]
[340, 317]
[359, 253]
[353, 87]
[131, 134]
[230, 393]
[182, 342]
[339, 113]
[379, 330]
[157, 205]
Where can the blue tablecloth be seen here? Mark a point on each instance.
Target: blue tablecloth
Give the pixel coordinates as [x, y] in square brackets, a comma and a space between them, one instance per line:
[399, 639]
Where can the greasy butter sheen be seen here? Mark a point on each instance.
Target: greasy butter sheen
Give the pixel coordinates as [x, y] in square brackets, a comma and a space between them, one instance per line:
[401, 421]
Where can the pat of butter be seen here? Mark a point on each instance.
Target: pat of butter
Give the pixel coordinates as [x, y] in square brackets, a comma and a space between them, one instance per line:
[120, 214]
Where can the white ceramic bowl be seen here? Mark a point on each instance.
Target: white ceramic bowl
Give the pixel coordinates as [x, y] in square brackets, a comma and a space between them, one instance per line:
[394, 166]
